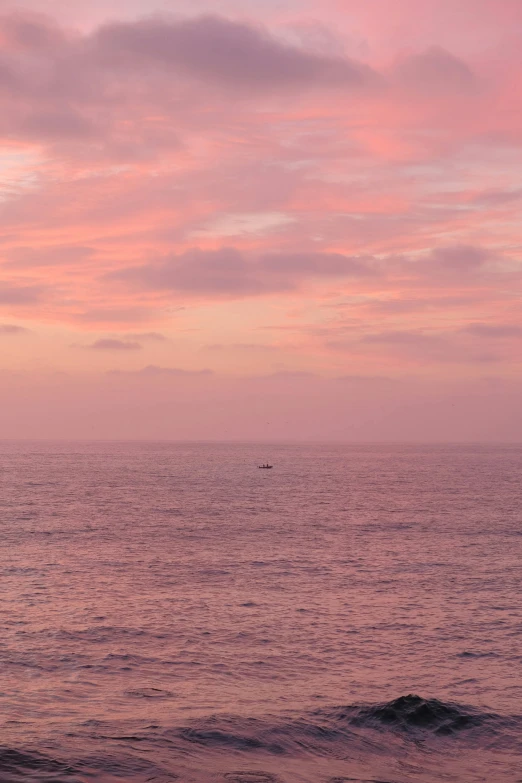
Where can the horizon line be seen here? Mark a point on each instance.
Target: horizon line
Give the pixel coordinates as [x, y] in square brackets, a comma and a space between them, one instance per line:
[282, 442]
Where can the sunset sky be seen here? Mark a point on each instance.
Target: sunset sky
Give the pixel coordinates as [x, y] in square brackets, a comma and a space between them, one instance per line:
[272, 219]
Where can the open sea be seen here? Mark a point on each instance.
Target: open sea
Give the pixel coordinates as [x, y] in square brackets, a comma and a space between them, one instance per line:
[171, 612]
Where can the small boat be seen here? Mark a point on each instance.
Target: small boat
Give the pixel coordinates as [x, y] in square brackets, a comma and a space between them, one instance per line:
[265, 467]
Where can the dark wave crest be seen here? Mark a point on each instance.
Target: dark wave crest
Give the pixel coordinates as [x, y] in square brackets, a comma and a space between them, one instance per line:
[413, 712]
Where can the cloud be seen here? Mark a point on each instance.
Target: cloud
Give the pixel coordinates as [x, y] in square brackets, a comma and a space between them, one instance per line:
[403, 304]
[127, 90]
[65, 89]
[21, 256]
[457, 267]
[457, 263]
[436, 71]
[493, 330]
[152, 336]
[219, 272]
[460, 258]
[248, 347]
[230, 273]
[30, 32]
[417, 345]
[46, 124]
[402, 338]
[496, 197]
[224, 52]
[110, 344]
[108, 315]
[289, 375]
[366, 379]
[12, 329]
[126, 144]
[154, 371]
[13, 294]
[134, 406]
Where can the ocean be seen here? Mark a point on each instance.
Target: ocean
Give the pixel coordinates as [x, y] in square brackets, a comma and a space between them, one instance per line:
[171, 612]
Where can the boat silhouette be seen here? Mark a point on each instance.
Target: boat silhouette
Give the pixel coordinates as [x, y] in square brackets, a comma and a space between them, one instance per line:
[265, 467]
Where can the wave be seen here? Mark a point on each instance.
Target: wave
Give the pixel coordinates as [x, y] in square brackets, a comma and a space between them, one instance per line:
[336, 732]
[383, 730]
[31, 766]
[415, 713]
[408, 715]
[16, 765]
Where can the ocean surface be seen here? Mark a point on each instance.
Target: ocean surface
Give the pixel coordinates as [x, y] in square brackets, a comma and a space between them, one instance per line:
[171, 612]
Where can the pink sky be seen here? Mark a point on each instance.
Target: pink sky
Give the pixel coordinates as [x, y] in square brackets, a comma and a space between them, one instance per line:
[276, 219]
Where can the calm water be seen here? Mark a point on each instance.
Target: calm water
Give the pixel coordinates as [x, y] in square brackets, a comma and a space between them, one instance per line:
[170, 612]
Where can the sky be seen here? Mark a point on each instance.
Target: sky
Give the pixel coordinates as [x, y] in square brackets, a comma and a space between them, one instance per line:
[261, 219]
